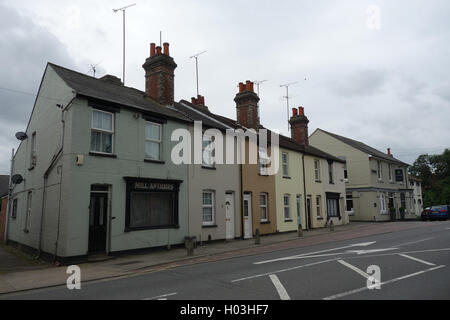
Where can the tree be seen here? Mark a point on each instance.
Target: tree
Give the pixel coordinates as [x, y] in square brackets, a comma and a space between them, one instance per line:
[434, 171]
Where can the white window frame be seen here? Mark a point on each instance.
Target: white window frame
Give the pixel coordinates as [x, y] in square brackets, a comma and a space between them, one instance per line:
[261, 206]
[330, 173]
[209, 153]
[383, 203]
[263, 162]
[154, 140]
[287, 207]
[212, 222]
[317, 169]
[285, 164]
[379, 170]
[103, 130]
[390, 172]
[319, 206]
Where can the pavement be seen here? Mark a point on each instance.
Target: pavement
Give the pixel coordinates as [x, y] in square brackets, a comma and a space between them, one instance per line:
[213, 268]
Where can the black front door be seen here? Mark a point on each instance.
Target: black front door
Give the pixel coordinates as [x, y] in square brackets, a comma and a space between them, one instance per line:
[98, 210]
[308, 211]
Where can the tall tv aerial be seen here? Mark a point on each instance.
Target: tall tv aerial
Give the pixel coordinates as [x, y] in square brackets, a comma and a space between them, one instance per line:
[196, 66]
[257, 83]
[93, 69]
[287, 97]
[123, 12]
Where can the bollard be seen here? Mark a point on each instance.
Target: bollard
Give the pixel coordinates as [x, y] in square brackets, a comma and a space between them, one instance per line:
[257, 238]
[190, 246]
[331, 225]
[300, 230]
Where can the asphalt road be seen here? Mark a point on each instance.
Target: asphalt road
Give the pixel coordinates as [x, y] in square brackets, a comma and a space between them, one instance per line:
[412, 264]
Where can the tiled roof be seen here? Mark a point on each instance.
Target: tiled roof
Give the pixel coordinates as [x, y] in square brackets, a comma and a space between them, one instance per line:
[365, 148]
[113, 92]
[285, 142]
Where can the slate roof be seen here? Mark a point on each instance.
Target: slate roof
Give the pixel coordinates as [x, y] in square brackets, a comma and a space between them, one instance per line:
[92, 87]
[285, 142]
[4, 182]
[365, 148]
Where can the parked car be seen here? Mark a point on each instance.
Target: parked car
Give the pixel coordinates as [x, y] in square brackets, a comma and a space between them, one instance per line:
[440, 212]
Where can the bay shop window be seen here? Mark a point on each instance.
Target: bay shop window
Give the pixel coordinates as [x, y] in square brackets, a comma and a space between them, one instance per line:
[151, 204]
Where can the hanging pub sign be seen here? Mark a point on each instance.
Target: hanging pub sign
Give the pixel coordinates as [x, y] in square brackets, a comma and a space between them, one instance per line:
[399, 175]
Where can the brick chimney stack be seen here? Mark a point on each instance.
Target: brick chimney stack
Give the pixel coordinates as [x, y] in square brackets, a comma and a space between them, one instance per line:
[247, 106]
[389, 152]
[299, 126]
[159, 75]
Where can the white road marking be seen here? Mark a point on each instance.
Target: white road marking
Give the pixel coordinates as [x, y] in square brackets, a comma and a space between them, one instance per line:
[357, 270]
[279, 286]
[359, 252]
[282, 270]
[161, 297]
[347, 293]
[416, 259]
[299, 256]
[412, 242]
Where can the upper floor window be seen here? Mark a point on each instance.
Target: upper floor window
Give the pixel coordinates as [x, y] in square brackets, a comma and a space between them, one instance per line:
[330, 172]
[263, 207]
[317, 169]
[285, 163]
[33, 155]
[153, 140]
[208, 208]
[14, 209]
[380, 174]
[390, 172]
[263, 162]
[287, 207]
[102, 131]
[207, 151]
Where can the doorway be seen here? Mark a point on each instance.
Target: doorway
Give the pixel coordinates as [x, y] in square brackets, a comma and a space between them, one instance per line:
[98, 217]
[248, 216]
[229, 215]
[308, 212]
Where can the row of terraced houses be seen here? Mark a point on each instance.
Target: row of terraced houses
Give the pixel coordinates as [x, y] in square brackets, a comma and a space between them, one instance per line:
[98, 174]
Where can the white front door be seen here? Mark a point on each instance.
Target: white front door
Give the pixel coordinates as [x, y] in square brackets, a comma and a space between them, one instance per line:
[248, 216]
[229, 215]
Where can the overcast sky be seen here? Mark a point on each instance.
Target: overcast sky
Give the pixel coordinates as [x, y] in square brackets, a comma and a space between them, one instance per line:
[381, 81]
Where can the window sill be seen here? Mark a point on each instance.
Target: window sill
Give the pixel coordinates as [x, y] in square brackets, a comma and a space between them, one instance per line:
[288, 220]
[105, 155]
[263, 174]
[154, 161]
[207, 226]
[286, 177]
[319, 218]
[209, 168]
[130, 229]
[318, 181]
[264, 222]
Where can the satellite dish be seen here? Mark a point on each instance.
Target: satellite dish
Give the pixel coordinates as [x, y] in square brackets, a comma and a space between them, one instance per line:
[21, 136]
[17, 179]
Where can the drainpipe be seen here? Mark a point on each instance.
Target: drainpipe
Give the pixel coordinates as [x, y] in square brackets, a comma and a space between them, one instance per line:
[242, 201]
[8, 203]
[304, 190]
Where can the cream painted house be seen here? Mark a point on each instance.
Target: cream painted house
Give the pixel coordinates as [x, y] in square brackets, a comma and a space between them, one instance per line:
[375, 181]
[416, 184]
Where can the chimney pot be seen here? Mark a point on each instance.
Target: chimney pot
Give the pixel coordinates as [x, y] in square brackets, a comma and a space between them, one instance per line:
[301, 111]
[241, 87]
[166, 48]
[294, 112]
[152, 49]
[248, 85]
[158, 50]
